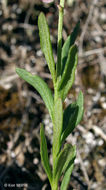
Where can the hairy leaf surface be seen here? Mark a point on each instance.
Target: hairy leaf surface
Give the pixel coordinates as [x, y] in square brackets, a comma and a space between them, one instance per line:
[68, 75]
[68, 43]
[64, 160]
[46, 44]
[40, 86]
[44, 153]
[72, 116]
[58, 123]
[68, 167]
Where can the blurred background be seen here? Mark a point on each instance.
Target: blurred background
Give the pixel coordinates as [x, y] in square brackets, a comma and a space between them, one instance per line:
[21, 107]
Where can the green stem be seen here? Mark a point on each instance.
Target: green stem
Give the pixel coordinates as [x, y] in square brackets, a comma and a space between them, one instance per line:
[59, 43]
[58, 66]
[54, 186]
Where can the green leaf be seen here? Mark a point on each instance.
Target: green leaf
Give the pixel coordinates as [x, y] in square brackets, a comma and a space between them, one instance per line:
[46, 44]
[69, 72]
[40, 86]
[64, 159]
[66, 178]
[80, 104]
[68, 43]
[44, 154]
[72, 116]
[57, 127]
[69, 113]
[68, 167]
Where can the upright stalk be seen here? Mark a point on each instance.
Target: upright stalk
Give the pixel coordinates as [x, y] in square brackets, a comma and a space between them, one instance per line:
[58, 74]
[64, 121]
[54, 186]
[59, 43]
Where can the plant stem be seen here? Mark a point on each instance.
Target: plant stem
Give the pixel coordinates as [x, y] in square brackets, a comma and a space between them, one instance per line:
[55, 186]
[59, 43]
[58, 72]
[58, 66]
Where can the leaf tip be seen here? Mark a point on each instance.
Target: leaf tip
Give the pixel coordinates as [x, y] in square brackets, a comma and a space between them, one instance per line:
[41, 15]
[18, 70]
[80, 95]
[41, 128]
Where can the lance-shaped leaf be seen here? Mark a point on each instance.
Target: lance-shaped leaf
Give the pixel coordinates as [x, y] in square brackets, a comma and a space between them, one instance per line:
[69, 72]
[64, 160]
[46, 44]
[40, 86]
[68, 43]
[72, 116]
[69, 113]
[44, 154]
[57, 128]
[67, 169]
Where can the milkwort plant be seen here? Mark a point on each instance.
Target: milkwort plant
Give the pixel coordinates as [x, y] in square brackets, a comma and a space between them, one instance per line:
[64, 120]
